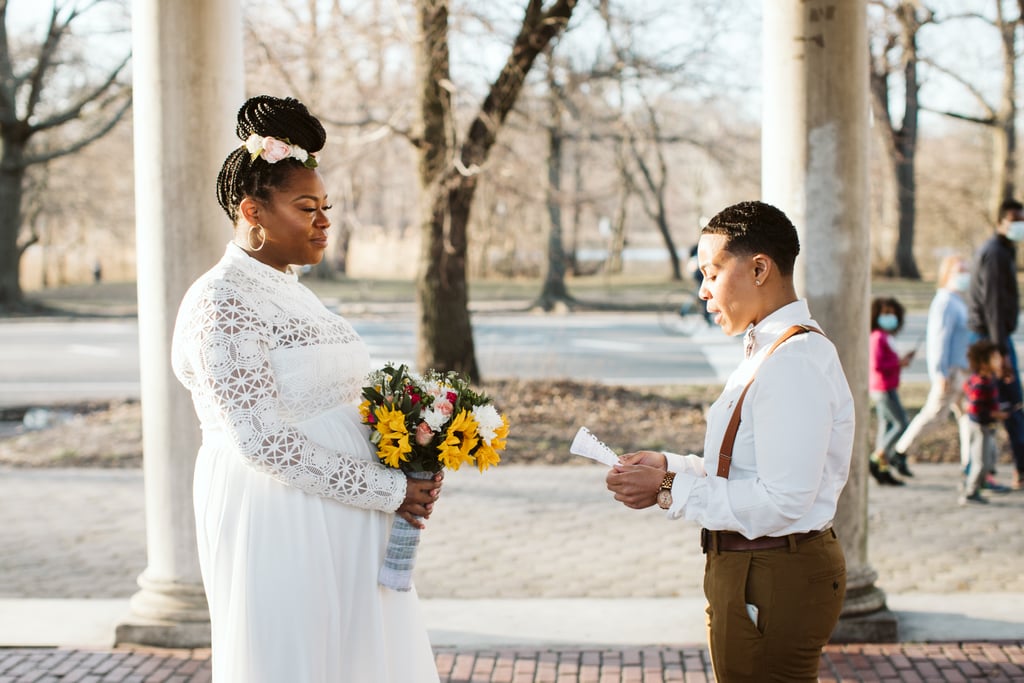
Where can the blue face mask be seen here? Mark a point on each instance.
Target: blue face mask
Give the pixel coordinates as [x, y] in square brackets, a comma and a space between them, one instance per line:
[962, 282]
[888, 321]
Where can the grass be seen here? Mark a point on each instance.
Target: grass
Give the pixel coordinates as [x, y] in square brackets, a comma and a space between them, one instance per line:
[631, 291]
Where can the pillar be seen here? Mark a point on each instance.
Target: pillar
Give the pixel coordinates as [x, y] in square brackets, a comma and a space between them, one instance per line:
[188, 85]
[815, 168]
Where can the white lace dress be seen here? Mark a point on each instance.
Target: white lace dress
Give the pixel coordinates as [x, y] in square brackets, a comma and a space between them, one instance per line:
[293, 510]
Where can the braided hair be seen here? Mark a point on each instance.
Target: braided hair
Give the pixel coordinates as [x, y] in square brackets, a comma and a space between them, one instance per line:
[242, 176]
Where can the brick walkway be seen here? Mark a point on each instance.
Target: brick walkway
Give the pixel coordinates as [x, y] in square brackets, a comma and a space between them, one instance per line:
[846, 663]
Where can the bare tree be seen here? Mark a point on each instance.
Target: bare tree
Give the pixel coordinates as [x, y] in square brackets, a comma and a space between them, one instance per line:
[893, 51]
[554, 290]
[1000, 117]
[449, 170]
[42, 90]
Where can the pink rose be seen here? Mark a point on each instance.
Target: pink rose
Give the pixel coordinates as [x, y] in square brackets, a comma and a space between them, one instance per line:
[443, 406]
[424, 434]
[274, 150]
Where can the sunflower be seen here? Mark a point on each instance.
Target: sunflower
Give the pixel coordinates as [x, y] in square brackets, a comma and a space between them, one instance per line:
[459, 442]
[394, 447]
[487, 455]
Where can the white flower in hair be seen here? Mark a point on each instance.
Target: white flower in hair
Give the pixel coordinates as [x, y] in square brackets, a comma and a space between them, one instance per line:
[273, 150]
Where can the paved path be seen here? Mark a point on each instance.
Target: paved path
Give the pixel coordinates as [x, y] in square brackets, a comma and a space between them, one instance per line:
[515, 532]
[553, 581]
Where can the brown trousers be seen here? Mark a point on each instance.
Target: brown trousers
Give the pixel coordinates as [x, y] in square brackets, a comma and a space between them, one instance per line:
[798, 594]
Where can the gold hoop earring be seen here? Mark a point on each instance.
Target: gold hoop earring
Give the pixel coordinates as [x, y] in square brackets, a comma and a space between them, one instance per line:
[263, 236]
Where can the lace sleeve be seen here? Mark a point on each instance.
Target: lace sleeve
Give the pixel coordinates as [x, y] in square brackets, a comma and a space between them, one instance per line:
[226, 346]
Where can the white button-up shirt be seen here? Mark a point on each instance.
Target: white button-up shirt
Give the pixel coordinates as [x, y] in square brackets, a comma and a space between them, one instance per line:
[792, 452]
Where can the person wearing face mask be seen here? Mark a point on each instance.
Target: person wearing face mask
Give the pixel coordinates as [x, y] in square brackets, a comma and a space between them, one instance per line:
[886, 321]
[993, 307]
[946, 341]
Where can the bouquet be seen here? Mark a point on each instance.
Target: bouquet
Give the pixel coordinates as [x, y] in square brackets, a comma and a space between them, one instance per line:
[422, 425]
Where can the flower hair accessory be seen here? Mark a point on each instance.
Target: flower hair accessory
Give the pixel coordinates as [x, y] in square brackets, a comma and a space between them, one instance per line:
[273, 150]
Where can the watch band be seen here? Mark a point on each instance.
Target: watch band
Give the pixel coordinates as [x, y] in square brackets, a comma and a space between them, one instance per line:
[666, 482]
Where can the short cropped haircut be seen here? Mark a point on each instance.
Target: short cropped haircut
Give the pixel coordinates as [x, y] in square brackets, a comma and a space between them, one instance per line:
[757, 228]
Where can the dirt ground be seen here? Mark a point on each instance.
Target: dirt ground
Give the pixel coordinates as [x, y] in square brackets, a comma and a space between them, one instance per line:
[543, 416]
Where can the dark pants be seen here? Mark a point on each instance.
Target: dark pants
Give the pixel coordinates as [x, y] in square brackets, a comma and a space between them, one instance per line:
[1011, 393]
[797, 592]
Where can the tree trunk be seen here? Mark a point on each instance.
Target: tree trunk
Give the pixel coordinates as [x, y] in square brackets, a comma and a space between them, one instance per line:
[906, 153]
[12, 173]
[446, 341]
[617, 243]
[554, 289]
[1004, 133]
[666, 235]
[448, 179]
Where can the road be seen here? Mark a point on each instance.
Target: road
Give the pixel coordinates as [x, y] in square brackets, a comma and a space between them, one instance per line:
[48, 361]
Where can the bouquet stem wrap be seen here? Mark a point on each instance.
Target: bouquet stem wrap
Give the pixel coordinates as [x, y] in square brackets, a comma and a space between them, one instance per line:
[400, 555]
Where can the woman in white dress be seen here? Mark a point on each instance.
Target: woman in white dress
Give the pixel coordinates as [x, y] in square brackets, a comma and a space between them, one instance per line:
[293, 509]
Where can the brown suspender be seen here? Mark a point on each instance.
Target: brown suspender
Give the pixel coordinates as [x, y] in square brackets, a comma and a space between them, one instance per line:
[725, 456]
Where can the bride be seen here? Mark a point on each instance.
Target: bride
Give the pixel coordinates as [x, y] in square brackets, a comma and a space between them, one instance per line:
[293, 509]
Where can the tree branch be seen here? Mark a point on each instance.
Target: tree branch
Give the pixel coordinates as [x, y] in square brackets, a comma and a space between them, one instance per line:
[79, 144]
[75, 110]
[538, 29]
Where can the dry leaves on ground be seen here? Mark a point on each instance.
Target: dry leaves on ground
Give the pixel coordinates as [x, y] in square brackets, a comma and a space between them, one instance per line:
[544, 416]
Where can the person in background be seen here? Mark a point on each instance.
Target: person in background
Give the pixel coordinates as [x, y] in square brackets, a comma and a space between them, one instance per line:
[983, 410]
[293, 509]
[946, 340]
[775, 574]
[886, 321]
[993, 307]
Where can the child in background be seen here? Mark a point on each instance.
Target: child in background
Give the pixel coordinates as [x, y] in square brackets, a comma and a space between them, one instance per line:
[886, 320]
[984, 412]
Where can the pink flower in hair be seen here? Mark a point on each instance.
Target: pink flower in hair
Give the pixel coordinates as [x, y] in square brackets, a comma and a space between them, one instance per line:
[275, 150]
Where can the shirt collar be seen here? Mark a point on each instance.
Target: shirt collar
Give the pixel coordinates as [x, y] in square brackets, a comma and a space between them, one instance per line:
[768, 330]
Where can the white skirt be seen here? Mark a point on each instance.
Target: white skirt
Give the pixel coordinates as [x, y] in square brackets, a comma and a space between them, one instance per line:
[291, 578]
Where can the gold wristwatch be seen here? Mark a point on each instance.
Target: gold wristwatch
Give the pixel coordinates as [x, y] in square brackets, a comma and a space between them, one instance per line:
[665, 492]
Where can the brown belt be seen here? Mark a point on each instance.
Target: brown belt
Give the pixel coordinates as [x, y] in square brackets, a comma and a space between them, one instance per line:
[733, 541]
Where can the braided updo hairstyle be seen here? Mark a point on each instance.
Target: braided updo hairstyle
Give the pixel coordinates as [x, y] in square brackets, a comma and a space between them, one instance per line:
[242, 176]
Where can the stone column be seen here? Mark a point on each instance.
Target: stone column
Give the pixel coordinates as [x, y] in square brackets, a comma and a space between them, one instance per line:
[188, 85]
[815, 168]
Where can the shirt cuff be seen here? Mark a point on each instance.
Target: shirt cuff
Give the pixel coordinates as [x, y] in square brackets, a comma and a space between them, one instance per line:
[687, 474]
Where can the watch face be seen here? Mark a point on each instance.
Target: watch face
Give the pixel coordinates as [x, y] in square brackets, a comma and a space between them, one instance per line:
[664, 499]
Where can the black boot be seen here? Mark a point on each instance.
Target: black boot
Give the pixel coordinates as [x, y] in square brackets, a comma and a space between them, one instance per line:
[899, 461]
[882, 474]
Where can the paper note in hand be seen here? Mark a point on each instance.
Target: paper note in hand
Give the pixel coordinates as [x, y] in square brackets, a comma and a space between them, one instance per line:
[589, 446]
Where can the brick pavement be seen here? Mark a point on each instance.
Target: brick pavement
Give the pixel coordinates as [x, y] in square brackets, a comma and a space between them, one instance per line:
[907, 663]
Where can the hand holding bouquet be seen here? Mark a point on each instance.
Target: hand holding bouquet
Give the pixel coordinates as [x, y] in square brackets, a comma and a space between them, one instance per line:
[422, 425]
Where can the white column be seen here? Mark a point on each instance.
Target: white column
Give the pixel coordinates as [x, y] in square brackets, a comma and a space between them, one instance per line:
[188, 85]
[815, 168]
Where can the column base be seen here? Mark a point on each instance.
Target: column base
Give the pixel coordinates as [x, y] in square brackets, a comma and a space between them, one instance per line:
[865, 617]
[879, 627]
[169, 634]
[166, 614]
